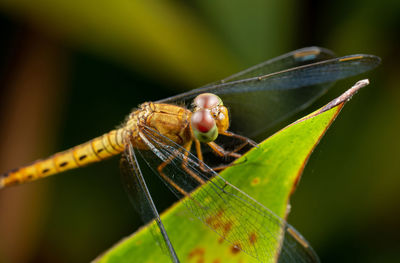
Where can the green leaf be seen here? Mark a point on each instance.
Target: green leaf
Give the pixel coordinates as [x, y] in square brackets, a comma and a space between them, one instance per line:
[268, 173]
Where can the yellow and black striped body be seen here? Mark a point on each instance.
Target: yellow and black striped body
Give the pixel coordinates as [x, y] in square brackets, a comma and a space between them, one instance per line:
[93, 151]
[170, 120]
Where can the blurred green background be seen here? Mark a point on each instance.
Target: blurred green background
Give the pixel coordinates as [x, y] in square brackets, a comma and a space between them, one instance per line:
[72, 70]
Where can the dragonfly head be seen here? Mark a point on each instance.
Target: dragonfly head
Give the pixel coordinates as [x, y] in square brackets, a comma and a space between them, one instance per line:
[209, 117]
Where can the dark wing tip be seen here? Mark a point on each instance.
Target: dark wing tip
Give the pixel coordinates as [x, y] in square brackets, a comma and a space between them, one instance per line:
[371, 59]
[313, 50]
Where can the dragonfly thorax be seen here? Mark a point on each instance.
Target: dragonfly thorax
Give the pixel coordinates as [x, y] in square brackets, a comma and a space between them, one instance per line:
[168, 120]
[178, 124]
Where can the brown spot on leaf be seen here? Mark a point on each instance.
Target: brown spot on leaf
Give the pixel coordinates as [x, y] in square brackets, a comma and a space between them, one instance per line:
[197, 253]
[215, 220]
[236, 248]
[253, 238]
[227, 227]
[255, 181]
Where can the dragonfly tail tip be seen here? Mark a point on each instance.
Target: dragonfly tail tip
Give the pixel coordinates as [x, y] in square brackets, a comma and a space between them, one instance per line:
[2, 176]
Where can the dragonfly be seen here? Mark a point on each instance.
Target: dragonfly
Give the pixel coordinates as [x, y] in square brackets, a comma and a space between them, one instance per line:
[171, 135]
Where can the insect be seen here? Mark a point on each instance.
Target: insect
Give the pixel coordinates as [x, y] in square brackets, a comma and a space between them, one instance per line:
[163, 134]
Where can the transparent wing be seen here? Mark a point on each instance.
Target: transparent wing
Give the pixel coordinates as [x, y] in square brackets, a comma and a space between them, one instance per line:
[231, 213]
[259, 98]
[289, 60]
[138, 193]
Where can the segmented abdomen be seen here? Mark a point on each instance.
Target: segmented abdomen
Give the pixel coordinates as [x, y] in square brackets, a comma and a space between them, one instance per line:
[92, 151]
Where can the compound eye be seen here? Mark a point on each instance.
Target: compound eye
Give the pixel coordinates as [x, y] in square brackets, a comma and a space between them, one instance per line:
[207, 101]
[202, 121]
[203, 125]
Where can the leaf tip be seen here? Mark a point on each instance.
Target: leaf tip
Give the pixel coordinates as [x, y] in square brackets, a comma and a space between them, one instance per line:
[347, 95]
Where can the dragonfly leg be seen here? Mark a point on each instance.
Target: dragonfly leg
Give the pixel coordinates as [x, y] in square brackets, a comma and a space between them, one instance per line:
[199, 154]
[184, 166]
[224, 166]
[186, 162]
[200, 157]
[166, 178]
[221, 151]
[239, 147]
[240, 137]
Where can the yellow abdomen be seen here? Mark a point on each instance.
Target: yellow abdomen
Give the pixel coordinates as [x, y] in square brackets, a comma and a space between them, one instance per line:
[169, 120]
[95, 150]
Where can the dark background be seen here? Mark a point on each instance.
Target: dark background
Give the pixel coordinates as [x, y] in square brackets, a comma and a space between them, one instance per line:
[70, 71]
